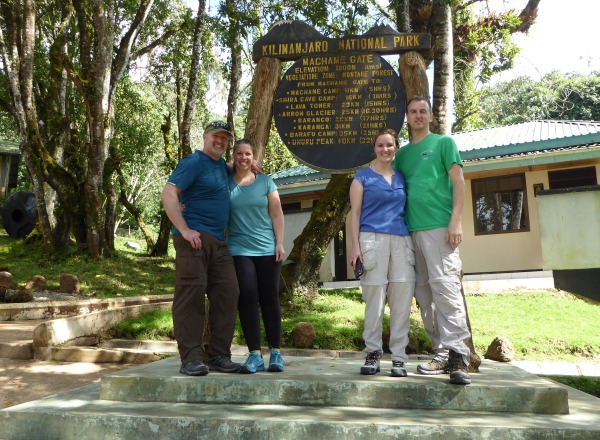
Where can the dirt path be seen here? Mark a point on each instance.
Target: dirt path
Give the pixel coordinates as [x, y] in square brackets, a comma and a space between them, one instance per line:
[25, 380]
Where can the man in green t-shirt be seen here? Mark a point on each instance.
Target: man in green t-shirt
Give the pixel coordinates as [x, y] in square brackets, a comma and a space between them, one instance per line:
[436, 191]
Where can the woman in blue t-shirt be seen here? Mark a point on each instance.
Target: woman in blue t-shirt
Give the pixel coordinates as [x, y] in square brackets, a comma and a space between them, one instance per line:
[382, 243]
[255, 240]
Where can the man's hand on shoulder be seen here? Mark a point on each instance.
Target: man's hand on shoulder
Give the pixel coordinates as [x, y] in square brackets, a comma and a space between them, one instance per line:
[256, 168]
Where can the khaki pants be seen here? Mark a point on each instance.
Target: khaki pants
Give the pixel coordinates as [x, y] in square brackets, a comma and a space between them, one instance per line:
[438, 294]
[389, 273]
[208, 271]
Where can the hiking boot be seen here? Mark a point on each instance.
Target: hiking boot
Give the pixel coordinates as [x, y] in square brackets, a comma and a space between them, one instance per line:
[398, 369]
[194, 368]
[253, 363]
[435, 366]
[458, 369]
[371, 365]
[223, 364]
[276, 362]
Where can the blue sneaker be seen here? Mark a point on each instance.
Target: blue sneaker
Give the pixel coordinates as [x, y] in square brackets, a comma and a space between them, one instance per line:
[276, 362]
[253, 363]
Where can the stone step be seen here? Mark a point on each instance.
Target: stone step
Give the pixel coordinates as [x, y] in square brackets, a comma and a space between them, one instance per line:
[16, 350]
[81, 414]
[337, 382]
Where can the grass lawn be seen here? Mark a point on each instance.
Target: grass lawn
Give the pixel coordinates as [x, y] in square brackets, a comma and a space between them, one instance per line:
[541, 325]
[128, 273]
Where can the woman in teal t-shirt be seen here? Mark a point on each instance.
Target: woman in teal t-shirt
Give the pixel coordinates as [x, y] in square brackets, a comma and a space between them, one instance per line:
[255, 240]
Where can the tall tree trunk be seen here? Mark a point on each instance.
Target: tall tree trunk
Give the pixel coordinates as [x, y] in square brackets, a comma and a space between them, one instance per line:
[413, 74]
[443, 74]
[260, 112]
[443, 99]
[77, 184]
[234, 42]
[110, 212]
[328, 217]
[137, 215]
[190, 103]
[403, 16]
[161, 245]
[19, 65]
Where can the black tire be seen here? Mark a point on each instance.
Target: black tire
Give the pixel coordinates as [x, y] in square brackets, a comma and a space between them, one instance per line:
[19, 214]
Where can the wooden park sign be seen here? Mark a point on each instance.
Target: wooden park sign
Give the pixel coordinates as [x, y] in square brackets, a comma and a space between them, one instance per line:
[338, 94]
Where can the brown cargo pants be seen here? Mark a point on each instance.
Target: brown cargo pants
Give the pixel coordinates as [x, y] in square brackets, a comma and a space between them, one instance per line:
[208, 271]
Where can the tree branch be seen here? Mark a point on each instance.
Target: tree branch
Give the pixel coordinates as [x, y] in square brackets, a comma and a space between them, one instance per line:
[150, 47]
[528, 15]
[124, 51]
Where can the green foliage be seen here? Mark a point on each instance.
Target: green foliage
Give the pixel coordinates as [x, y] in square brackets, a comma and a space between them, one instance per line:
[589, 385]
[127, 273]
[486, 40]
[138, 148]
[540, 325]
[337, 318]
[482, 47]
[277, 156]
[571, 96]
[156, 325]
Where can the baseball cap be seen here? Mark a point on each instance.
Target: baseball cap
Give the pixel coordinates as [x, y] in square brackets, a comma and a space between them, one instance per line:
[217, 126]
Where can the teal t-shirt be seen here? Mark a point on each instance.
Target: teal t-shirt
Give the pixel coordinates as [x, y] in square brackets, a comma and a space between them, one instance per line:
[425, 167]
[250, 229]
[205, 193]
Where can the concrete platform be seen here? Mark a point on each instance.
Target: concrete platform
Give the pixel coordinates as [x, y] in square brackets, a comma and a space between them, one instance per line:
[337, 382]
[258, 412]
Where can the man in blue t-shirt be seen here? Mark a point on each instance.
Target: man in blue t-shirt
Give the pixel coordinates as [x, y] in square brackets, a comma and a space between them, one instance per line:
[203, 265]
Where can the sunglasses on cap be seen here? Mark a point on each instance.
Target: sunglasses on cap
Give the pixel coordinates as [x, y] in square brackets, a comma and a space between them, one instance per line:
[217, 126]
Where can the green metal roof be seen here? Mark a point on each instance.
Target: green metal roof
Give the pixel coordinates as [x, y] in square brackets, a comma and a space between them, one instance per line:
[522, 144]
[297, 174]
[525, 138]
[9, 147]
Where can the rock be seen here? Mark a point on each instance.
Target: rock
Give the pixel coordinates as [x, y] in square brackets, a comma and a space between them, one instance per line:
[132, 245]
[37, 283]
[501, 350]
[474, 363]
[6, 280]
[69, 284]
[304, 335]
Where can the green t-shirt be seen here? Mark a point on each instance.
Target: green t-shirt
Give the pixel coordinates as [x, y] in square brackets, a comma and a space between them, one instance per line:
[425, 166]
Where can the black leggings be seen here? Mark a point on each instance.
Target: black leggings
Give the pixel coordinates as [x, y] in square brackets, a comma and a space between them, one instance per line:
[258, 278]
